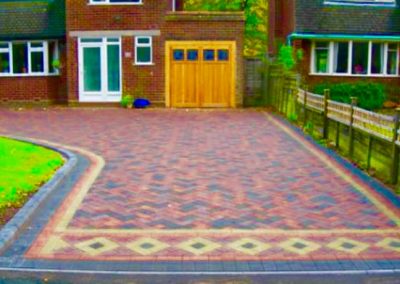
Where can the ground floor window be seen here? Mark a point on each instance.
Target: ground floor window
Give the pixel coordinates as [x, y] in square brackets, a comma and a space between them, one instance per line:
[143, 50]
[29, 58]
[362, 58]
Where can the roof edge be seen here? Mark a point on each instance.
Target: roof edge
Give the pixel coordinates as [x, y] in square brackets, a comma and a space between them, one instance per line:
[342, 36]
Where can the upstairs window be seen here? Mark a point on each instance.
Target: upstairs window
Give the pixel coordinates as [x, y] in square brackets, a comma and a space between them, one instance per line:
[355, 58]
[110, 2]
[29, 58]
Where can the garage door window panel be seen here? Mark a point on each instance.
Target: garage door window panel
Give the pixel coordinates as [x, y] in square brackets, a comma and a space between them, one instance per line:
[223, 55]
[192, 55]
[209, 55]
[179, 54]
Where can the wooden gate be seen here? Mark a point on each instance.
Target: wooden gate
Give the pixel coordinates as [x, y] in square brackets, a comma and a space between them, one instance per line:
[200, 74]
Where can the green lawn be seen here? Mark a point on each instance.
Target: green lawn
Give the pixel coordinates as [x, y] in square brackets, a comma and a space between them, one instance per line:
[24, 167]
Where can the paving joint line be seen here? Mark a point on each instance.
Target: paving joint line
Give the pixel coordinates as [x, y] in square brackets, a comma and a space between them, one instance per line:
[213, 273]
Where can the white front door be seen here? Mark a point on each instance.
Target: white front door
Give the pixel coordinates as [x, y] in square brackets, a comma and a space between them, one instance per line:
[100, 69]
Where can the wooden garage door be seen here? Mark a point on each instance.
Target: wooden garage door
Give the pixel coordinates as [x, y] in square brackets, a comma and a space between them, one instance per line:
[201, 74]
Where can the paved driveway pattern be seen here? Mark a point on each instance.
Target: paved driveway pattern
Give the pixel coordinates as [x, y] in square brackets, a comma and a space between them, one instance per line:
[207, 185]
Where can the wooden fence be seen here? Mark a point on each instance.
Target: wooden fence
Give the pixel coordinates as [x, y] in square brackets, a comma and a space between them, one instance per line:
[376, 126]
[362, 135]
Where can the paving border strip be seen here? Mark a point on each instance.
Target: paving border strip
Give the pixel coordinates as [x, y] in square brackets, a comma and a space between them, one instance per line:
[104, 270]
[10, 231]
[377, 185]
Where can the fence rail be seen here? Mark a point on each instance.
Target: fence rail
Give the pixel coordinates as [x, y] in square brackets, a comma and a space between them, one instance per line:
[380, 125]
[358, 131]
[339, 112]
[383, 126]
[376, 125]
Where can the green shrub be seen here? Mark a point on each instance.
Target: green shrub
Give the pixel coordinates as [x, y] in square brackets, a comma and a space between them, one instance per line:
[56, 63]
[292, 117]
[126, 101]
[288, 57]
[371, 96]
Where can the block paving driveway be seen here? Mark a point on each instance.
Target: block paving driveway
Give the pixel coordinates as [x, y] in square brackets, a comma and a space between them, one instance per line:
[238, 190]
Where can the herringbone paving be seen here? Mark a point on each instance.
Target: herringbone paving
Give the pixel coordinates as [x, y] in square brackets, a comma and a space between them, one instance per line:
[198, 185]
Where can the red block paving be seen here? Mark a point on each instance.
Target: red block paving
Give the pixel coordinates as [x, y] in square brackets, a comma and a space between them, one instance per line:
[206, 185]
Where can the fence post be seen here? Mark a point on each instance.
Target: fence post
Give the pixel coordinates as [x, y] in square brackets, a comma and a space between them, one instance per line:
[326, 119]
[305, 106]
[369, 153]
[265, 83]
[285, 107]
[351, 131]
[395, 150]
[283, 92]
[337, 140]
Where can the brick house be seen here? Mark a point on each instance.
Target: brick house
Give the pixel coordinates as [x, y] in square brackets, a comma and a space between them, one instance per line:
[343, 40]
[109, 48]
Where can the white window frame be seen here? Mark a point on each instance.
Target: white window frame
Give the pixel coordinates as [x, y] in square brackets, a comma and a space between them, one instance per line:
[45, 51]
[386, 58]
[361, 2]
[104, 95]
[56, 56]
[149, 45]
[313, 56]
[107, 2]
[331, 59]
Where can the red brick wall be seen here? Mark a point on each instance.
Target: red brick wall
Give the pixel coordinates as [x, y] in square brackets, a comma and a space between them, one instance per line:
[29, 88]
[149, 16]
[85, 17]
[149, 79]
[35, 88]
[392, 83]
[281, 22]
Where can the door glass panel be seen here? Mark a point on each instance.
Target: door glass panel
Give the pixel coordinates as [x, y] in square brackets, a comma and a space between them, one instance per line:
[92, 69]
[192, 55]
[223, 55]
[209, 55]
[179, 54]
[113, 40]
[113, 68]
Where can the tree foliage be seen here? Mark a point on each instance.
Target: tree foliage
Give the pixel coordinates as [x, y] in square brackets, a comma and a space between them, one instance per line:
[256, 13]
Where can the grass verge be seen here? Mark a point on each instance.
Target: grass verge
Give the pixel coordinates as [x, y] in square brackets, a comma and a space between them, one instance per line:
[24, 167]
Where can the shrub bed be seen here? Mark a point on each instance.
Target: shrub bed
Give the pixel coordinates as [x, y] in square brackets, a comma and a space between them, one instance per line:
[371, 96]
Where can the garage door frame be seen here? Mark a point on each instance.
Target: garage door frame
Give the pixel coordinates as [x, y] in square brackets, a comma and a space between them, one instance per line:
[190, 44]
